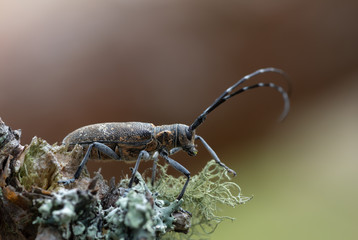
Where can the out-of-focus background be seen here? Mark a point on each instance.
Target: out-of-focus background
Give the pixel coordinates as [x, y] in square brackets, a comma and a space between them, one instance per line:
[64, 65]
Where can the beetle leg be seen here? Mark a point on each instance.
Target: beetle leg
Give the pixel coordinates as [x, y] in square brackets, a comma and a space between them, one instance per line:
[154, 169]
[143, 154]
[181, 169]
[213, 154]
[174, 150]
[106, 150]
[101, 148]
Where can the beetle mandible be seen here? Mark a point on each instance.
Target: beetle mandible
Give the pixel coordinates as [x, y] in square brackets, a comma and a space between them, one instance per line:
[136, 141]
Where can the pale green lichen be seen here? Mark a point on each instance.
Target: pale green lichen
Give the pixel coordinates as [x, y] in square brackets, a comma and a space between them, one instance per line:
[206, 191]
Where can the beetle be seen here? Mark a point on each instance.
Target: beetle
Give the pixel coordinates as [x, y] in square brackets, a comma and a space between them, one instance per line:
[136, 141]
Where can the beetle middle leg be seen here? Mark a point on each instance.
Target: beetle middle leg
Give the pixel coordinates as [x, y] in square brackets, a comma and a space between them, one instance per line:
[101, 148]
[181, 169]
[155, 157]
[143, 154]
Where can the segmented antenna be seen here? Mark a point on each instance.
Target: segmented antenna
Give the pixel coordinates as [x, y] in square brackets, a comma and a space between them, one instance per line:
[229, 93]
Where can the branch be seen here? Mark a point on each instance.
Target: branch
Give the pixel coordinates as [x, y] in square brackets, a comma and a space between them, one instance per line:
[34, 206]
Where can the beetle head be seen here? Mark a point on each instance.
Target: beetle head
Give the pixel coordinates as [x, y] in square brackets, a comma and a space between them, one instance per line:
[185, 139]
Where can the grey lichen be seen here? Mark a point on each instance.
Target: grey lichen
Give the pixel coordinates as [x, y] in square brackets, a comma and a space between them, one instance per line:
[72, 212]
[131, 218]
[10, 148]
[137, 214]
[141, 214]
[9, 141]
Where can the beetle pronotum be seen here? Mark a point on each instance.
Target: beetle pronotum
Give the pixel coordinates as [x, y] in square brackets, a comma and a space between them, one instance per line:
[134, 141]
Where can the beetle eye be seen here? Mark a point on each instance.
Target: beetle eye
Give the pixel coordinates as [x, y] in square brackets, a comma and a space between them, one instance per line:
[188, 134]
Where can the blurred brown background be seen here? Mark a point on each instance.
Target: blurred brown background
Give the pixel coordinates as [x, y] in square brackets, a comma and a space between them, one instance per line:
[66, 65]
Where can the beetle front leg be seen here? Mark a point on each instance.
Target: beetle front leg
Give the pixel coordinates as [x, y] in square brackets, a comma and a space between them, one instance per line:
[181, 169]
[102, 148]
[174, 150]
[213, 154]
[143, 154]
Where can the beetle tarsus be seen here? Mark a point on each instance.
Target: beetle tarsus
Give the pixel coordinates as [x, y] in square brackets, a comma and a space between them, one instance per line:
[186, 211]
[231, 171]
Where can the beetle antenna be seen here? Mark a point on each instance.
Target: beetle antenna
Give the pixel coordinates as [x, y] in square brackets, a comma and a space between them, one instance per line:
[229, 93]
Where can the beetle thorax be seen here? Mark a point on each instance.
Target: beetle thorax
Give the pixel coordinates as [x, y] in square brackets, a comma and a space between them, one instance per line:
[175, 136]
[166, 136]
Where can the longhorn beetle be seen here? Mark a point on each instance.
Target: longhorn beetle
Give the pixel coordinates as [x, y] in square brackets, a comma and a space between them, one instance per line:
[134, 141]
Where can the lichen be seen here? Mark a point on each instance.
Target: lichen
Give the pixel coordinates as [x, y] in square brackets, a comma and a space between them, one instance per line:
[206, 191]
[3, 137]
[9, 144]
[137, 214]
[71, 212]
[144, 212]
[132, 218]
